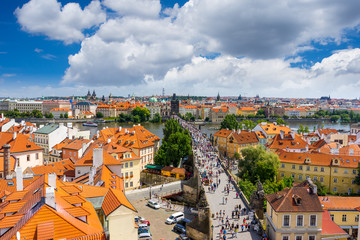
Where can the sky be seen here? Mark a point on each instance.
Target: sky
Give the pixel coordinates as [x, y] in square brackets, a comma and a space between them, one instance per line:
[298, 48]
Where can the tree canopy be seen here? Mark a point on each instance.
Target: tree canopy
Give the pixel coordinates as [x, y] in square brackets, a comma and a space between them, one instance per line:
[258, 164]
[230, 122]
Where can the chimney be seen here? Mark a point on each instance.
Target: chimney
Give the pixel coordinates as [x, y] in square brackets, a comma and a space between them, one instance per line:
[7, 167]
[19, 179]
[282, 134]
[307, 148]
[109, 140]
[52, 180]
[2, 115]
[292, 135]
[92, 175]
[50, 197]
[97, 157]
[120, 129]
[238, 131]
[83, 147]
[14, 135]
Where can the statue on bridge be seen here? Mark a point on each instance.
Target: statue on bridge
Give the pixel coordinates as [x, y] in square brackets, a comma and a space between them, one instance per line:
[257, 200]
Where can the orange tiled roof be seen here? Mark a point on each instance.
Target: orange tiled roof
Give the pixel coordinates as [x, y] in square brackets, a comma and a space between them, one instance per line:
[272, 129]
[327, 131]
[20, 144]
[339, 203]
[318, 159]
[71, 189]
[77, 211]
[13, 207]
[57, 167]
[114, 199]
[60, 110]
[76, 144]
[288, 142]
[59, 146]
[10, 220]
[18, 196]
[87, 159]
[328, 227]
[223, 133]
[245, 137]
[74, 199]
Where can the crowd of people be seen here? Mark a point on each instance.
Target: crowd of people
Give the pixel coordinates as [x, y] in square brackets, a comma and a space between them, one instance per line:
[229, 224]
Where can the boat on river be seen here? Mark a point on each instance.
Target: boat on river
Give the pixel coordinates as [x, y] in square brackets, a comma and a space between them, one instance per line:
[90, 124]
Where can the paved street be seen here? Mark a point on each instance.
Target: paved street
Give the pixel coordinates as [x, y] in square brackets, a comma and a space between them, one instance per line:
[207, 160]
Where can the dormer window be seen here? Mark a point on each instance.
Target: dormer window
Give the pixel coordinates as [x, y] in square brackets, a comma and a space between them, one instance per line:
[297, 199]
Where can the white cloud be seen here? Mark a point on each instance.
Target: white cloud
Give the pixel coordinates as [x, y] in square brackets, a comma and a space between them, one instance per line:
[139, 8]
[124, 50]
[65, 23]
[263, 29]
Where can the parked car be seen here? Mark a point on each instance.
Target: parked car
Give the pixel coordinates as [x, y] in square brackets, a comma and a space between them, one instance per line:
[143, 226]
[180, 227]
[143, 230]
[146, 222]
[153, 204]
[145, 236]
[174, 218]
[182, 237]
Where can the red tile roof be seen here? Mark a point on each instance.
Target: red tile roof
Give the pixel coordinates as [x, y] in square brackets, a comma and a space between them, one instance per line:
[328, 227]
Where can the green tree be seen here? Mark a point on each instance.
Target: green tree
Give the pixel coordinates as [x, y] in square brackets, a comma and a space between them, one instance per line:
[247, 124]
[66, 115]
[300, 129]
[335, 118]
[280, 121]
[61, 115]
[322, 190]
[171, 127]
[230, 122]
[247, 187]
[143, 113]
[237, 156]
[156, 118]
[306, 130]
[99, 115]
[257, 163]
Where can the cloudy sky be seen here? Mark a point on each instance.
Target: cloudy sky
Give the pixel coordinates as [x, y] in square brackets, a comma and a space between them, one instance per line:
[279, 48]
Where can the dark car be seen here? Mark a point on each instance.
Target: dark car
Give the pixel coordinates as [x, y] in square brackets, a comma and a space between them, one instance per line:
[180, 227]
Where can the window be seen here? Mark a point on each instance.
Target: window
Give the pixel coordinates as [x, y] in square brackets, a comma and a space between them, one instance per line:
[335, 180]
[299, 221]
[315, 169]
[321, 179]
[131, 173]
[332, 217]
[126, 165]
[293, 175]
[315, 178]
[286, 222]
[131, 164]
[322, 169]
[357, 218]
[126, 174]
[28, 157]
[307, 176]
[298, 238]
[335, 170]
[352, 181]
[37, 156]
[313, 220]
[354, 171]
[312, 237]
[300, 177]
[344, 218]
[282, 165]
[293, 166]
[300, 168]
[282, 174]
[285, 238]
[307, 168]
[131, 184]
[126, 185]
[79, 172]
[346, 171]
[335, 189]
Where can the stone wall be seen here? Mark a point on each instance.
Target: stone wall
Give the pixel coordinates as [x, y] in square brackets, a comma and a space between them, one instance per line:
[151, 178]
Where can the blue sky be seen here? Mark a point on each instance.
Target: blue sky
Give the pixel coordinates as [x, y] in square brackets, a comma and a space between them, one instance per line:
[199, 47]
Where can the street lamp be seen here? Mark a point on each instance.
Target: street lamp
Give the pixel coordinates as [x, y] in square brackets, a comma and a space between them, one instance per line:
[150, 192]
[212, 232]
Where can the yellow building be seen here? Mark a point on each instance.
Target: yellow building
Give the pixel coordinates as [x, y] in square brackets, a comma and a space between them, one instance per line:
[130, 172]
[271, 129]
[246, 111]
[294, 214]
[336, 172]
[231, 141]
[178, 173]
[343, 212]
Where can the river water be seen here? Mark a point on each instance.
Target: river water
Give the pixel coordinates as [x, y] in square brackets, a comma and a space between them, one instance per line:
[157, 128]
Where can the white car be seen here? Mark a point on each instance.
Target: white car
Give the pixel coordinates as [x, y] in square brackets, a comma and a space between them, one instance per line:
[145, 236]
[174, 218]
[153, 204]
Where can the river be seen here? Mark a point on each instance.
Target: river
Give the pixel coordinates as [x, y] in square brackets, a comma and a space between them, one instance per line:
[157, 128]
